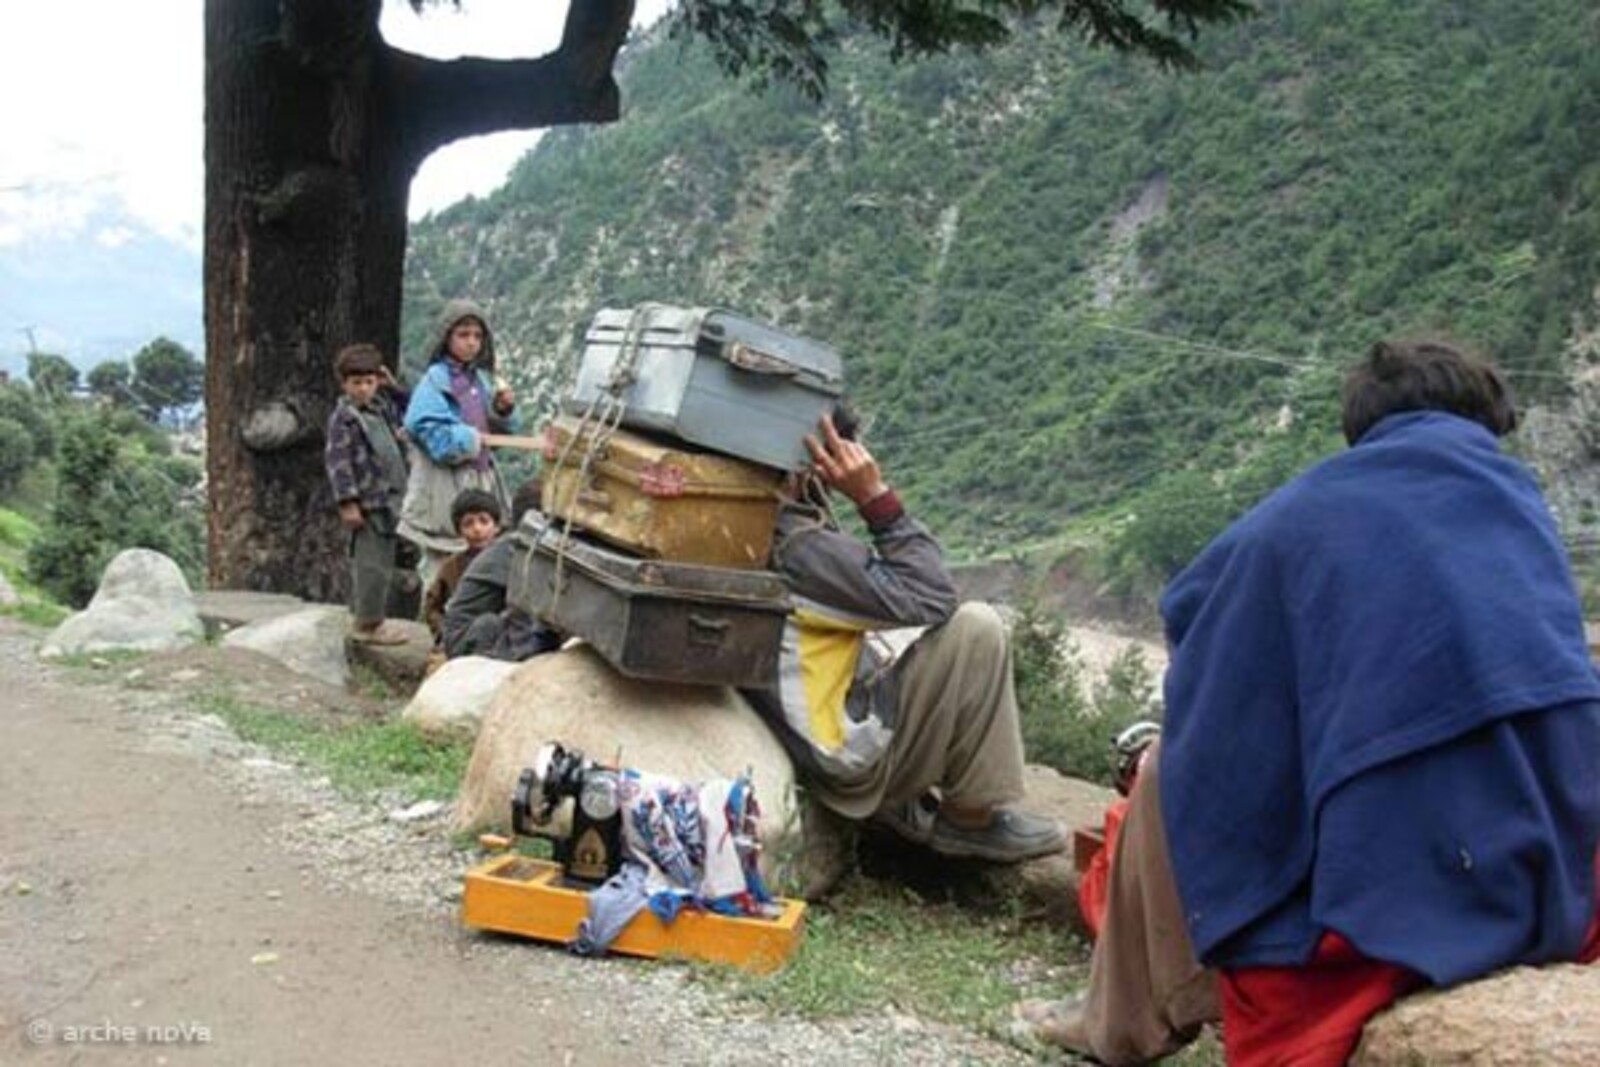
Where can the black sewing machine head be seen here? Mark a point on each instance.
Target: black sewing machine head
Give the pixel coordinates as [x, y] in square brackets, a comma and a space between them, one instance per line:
[591, 850]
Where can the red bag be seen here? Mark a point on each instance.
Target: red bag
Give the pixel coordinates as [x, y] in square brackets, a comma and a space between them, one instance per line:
[1092, 890]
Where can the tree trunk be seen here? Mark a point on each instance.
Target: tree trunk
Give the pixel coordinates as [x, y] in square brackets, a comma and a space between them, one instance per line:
[305, 240]
[314, 129]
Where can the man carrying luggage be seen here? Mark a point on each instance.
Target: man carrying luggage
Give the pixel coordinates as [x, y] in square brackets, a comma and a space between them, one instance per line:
[928, 744]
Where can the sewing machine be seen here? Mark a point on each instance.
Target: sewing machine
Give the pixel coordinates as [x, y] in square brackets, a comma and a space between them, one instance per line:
[513, 893]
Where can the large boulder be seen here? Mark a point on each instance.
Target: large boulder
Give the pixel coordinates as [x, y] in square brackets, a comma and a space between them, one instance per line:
[143, 605]
[688, 732]
[453, 698]
[309, 641]
[223, 610]
[1049, 886]
[1527, 1017]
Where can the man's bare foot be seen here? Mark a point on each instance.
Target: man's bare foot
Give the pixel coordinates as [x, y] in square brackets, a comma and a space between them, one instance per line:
[380, 634]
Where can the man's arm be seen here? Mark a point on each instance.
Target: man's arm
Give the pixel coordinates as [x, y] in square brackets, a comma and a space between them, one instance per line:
[900, 580]
[436, 427]
[340, 458]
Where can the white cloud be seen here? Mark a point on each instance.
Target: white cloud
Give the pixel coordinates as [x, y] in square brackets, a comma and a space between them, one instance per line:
[114, 236]
[104, 108]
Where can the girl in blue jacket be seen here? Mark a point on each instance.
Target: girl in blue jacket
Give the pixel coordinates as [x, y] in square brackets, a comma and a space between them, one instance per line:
[454, 405]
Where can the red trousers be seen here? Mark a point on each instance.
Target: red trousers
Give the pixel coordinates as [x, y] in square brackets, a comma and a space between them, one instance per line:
[1148, 995]
[1312, 1015]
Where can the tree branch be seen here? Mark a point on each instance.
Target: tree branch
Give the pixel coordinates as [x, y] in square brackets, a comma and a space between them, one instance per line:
[434, 102]
[594, 34]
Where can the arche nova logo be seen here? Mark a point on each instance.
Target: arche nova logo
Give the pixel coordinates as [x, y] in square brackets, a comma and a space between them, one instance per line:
[107, 1032]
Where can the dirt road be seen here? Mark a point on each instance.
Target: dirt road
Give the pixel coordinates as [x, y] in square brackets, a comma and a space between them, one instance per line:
[155, 909]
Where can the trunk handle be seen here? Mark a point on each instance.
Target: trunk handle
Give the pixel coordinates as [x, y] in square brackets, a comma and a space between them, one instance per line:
[755, 361]
[706, 631]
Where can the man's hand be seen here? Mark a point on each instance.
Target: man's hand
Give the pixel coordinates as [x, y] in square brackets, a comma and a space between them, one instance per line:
[350, 515]
[505, 398]
[845, 465]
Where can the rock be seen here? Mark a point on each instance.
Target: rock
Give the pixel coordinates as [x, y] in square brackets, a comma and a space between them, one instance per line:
[143, 605]
[687, 732]
[400, 666]
[9, 598]
[454, 698]
[308, 641]
[228, 609]
[422, 809]
[1526, 1016]
[826, 853]
[1049, 886]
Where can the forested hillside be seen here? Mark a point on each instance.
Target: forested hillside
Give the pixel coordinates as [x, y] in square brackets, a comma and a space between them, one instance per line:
[1079, 297]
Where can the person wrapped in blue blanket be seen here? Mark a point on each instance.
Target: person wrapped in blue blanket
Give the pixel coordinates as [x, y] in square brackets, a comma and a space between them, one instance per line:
[1380, 768]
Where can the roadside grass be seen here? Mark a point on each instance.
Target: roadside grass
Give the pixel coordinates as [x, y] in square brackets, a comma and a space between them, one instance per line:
[17, 532]
[358, 757]
[875, 945]
[372, 685]
[99, 666]
[44, 614]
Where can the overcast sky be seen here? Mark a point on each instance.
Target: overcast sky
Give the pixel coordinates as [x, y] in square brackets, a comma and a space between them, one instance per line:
[103, 108]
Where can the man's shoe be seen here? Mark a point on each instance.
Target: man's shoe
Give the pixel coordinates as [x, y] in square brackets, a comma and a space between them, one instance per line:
[911, 819]
[1011, 837]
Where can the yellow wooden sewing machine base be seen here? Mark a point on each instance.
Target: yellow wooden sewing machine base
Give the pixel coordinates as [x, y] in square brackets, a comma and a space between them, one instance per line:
[515, 894]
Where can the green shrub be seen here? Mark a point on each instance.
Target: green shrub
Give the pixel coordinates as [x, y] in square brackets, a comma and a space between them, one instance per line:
[16, 453]
[19, 404]
[1172, 522]
[1058, 728]
[1061, 726]
[73, 548]
[1127, 693]
[109, 496]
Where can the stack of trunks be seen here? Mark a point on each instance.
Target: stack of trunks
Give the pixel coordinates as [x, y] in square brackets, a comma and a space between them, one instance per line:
[662, 482]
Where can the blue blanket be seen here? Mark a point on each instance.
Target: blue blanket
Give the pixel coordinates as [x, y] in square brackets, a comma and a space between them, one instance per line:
[1382, 718]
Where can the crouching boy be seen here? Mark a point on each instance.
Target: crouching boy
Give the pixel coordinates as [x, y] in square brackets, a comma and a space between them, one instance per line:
[475, 515]
[478, 621]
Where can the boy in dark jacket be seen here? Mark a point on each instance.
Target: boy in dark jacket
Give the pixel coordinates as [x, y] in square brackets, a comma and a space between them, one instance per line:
[476, 518]
[367, 471]
[478, 621]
